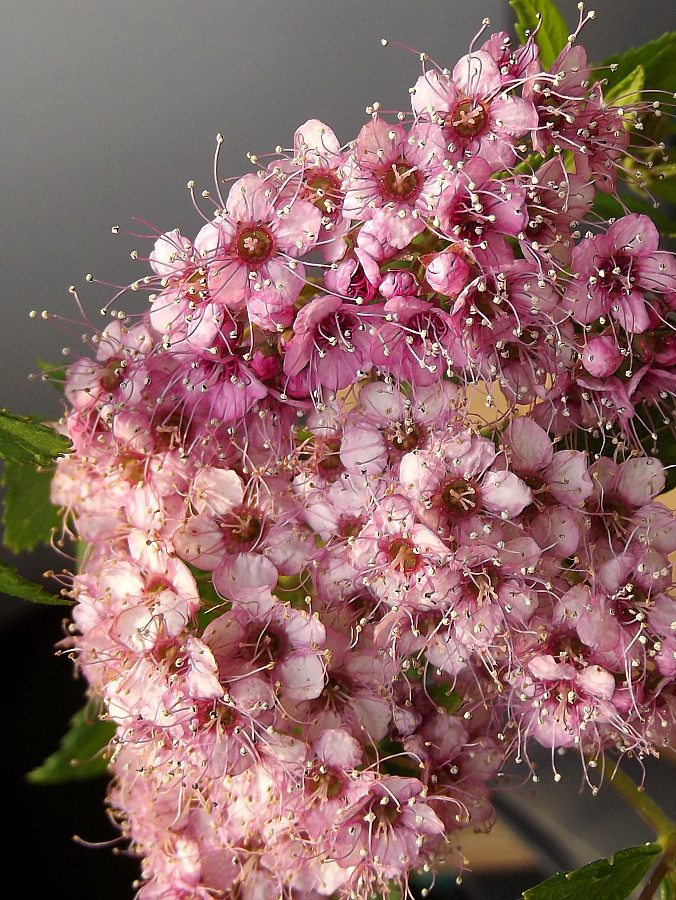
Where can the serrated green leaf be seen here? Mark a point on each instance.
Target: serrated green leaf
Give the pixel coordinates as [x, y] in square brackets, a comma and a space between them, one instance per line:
[605, 879]
[24, 440]
[29, 516]
[55, 375]
[17, 586]
[628, 90]
[79, 755]
[552, 36]
[658, 59]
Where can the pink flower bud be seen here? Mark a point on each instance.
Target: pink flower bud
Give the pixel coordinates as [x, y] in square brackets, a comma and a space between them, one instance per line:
[446, 272]
[602, 356]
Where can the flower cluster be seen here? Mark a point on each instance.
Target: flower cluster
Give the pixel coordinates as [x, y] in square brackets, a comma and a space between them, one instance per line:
[327, 592]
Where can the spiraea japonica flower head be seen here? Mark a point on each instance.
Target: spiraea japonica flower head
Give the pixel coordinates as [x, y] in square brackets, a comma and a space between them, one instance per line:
[365, 488]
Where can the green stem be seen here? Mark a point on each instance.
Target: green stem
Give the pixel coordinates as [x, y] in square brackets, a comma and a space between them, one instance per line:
[659, 875]
[647, 809]
[659, 821]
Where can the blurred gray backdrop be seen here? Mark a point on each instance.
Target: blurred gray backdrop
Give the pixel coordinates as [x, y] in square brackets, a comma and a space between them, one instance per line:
[107, 109]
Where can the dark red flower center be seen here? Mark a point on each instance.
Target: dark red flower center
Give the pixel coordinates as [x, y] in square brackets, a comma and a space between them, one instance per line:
[243, 526]
[254, 245]
[402, 555]
[323, 192]
[329, 463]
[350, 526]
[458, 497]
[401, 181]
[468, 118]
[404, 437]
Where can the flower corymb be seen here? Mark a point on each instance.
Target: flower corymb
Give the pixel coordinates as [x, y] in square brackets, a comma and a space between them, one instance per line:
[365, 492]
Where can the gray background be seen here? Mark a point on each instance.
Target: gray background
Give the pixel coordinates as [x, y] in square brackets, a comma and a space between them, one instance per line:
[107, 109]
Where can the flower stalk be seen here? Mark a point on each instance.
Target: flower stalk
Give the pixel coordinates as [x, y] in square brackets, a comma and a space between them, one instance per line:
[663, 826]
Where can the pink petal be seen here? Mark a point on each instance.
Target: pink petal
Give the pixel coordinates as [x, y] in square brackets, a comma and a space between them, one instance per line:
[636, 233]
[531, 446]
[504, 492]
[513, 116]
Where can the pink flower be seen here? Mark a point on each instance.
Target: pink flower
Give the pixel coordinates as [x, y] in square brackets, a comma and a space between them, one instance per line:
[447, 272]
[330, 345]
[393, 178]
[613, 272]
[559, 98]
[473, 108]
[250, 249]
[478, 210]
[231, 521]
[264, 635]
[319, 156]
[385, 830]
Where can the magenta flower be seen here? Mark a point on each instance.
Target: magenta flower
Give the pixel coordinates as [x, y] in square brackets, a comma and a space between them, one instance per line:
[613, 272]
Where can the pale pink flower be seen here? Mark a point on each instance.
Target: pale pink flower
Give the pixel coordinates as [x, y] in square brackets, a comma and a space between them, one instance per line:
[473, 108]
[393, 177]
[250, 251]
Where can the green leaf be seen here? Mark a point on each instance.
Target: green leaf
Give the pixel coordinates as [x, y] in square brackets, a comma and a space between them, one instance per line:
[213, 605]
[56, 375]
[608, 207]
[668, 888]
[530, 164]
[658, 59]
[17, 586]
[29, 516]
[628, 90]
[395, 893]
[665, 450]
[552, 36]
[605, 879]
[662, 181]
[444, 697]
[294, 590]
[24, 440]
[80, 753]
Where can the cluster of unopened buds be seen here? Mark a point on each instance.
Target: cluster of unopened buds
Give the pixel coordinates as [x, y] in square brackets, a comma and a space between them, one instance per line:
[363, 491]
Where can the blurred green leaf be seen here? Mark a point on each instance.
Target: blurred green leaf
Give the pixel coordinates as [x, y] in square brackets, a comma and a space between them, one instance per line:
[17, 586]
[662, 181]
[664, 448]
[628, 90]
[444, 698]
[55, 375]
[668, 888]
[608, 207]
[552, 36]
[658, 59]
[79, 755]
[605, 879]
[25, 440]
[29, 516]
